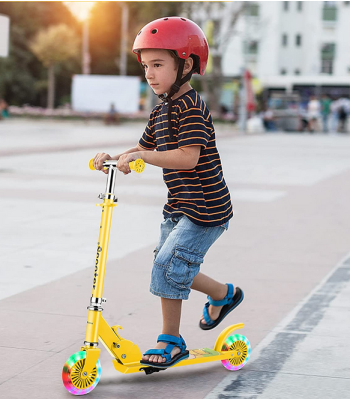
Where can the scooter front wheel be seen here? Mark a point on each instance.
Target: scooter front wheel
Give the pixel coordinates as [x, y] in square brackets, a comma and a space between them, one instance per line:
[240, 347]
[75, 380]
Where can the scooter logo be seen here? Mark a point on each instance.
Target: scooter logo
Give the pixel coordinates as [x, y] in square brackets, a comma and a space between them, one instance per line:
[99, 249]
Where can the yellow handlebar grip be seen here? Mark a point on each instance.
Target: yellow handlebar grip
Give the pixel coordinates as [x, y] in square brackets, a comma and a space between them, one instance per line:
[137, 165]
[91, 165]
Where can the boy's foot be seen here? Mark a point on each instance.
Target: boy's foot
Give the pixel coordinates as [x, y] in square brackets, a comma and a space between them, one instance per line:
[159, 359]
[216, 310]
[213, 311]
[169, 351]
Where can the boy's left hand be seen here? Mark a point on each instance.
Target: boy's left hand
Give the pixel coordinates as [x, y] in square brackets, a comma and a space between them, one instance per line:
[123, 162]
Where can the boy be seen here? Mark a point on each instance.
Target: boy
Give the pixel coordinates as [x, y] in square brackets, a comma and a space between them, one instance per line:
[199, 208]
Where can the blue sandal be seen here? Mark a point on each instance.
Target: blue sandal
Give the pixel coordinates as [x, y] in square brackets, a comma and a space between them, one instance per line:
[173, 341]
[229, 303]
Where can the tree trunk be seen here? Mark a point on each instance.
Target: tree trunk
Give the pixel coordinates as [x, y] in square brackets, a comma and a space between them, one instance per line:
[215, 92]
[51, 88]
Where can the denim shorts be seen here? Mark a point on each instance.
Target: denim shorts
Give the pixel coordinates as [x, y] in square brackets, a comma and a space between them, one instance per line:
[179, 254]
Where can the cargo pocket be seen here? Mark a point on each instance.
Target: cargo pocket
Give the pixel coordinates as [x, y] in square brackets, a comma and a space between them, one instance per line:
[155, 252]
[184, 266]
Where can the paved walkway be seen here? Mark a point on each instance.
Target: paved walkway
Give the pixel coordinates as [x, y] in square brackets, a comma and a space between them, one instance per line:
[287, 247]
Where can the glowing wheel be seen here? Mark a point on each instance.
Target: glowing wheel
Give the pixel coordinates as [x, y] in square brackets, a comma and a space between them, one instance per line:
[239, 346]
[75, 380]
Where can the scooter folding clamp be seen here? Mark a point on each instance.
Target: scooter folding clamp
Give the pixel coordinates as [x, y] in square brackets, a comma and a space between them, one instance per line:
[96, 302]
[91, 344]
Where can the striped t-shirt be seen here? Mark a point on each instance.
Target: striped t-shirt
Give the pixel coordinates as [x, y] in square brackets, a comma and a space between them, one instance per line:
[200, 193]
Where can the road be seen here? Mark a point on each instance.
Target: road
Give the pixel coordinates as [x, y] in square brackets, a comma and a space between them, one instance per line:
[288, 248]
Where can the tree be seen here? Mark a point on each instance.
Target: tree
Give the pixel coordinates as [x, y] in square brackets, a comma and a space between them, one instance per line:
[21, 70]
[210, 16]
[52, 46]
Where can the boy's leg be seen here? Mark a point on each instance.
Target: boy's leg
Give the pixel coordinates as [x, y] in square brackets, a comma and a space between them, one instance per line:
[216, 290]
[171, 310]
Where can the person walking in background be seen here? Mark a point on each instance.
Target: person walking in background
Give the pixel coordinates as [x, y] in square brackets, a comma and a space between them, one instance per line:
[343, 112]
[313, 110]
[325, 111]
[334, 115]
[3, 109]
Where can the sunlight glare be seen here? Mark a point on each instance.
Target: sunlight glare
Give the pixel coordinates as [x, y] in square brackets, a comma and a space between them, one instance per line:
[81, 9]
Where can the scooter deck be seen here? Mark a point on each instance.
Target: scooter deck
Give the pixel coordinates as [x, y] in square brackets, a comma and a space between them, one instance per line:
[196, 356]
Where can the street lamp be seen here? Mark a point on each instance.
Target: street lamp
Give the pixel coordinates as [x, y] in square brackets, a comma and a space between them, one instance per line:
[81, 9]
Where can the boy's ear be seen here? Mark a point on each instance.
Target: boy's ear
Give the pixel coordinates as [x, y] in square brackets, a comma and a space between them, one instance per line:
[188, 65]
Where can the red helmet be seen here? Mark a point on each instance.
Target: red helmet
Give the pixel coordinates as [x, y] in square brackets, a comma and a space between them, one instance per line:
[174, 33]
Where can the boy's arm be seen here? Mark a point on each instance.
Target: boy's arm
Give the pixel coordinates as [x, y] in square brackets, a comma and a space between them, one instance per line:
[184, 158]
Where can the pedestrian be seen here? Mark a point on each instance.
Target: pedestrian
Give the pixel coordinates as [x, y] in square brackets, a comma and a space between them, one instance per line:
[325, 111]
[303, 118]
[180, 138]
[343, 111]
[269, 120]
[334, 116]
[313, 109]
[112, 117]
[4, 113]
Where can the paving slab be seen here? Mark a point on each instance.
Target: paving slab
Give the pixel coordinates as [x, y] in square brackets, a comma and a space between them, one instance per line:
[292, 213]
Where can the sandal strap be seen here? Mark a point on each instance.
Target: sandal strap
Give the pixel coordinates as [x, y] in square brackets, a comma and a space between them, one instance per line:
[173, 341]
[226, 300]
[206, 316]
[154, 352]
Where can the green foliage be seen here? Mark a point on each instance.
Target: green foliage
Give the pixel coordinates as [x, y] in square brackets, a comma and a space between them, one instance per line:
[105, 31]
[21, 70]
[22, 74]
[55, 44]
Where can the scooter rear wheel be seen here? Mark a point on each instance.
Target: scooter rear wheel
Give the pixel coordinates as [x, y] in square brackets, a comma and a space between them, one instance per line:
[73, 378]
[238, 345]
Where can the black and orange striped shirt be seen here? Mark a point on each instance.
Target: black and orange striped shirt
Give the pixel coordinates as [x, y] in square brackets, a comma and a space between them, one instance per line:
[200, 193]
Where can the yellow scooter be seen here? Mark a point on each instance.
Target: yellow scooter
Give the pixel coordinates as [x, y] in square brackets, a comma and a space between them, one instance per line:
[82, 371]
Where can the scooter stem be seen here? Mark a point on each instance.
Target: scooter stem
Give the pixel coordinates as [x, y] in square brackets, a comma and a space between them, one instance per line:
[105, 227]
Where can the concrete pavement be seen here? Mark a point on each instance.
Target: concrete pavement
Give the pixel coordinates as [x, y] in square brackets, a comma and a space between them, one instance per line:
[287, 247]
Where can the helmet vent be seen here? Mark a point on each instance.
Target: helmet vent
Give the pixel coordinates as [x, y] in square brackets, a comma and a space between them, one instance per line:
[139, 33]
[154, 31]
[183, 19]
[165, 19]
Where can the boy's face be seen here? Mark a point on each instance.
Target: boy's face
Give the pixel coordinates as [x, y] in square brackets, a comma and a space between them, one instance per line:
[160, 69]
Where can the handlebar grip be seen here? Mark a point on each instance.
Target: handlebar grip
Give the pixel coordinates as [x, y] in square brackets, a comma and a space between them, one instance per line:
[137, 166]
[91, 165]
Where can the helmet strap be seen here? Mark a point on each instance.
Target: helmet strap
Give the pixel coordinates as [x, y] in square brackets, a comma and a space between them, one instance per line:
[167, 97]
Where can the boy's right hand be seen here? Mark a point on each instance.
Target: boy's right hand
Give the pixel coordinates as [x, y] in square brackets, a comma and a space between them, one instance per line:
[99, 159]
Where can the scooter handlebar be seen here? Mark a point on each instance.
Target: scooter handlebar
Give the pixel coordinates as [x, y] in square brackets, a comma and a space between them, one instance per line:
[137, 165]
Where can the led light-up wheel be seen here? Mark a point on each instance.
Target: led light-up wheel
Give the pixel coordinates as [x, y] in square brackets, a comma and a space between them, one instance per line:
[73, 377]
[239, 346]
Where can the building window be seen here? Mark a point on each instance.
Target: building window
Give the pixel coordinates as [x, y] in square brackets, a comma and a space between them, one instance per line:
[299, 5]
[298, 40]
[297, 72]
[252, 9]
[327, 58]
[286, 5]
[283, 71]
[252, 47]
[329, 12]
[284, 40]
[327, 67]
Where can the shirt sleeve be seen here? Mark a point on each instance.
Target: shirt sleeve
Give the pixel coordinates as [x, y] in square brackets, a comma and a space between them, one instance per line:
[148, 140]
[194, 130]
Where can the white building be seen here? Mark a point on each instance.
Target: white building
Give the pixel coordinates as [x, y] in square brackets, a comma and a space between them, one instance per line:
[293, 45]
